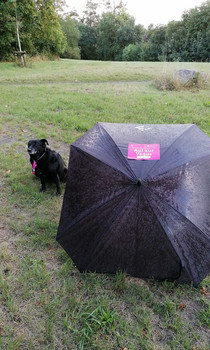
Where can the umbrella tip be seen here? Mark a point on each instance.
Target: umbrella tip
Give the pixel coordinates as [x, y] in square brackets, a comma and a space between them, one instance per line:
[139, 183]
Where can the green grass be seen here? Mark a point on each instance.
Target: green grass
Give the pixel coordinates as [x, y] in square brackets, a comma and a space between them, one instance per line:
[45, 303]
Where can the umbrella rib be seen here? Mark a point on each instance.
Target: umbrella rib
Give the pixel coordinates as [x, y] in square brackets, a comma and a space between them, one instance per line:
[91, 209]
[169, 148]
[180, 165]
[107, 228]
[177, 211]
[158, 218]
[175, 248]
[133, 177]
[187, 266]
[119, 153]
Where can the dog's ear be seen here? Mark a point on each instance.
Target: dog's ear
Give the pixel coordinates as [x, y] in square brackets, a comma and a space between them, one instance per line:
[44, 141]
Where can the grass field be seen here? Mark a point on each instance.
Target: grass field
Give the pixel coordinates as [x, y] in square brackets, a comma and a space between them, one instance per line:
[45, 303]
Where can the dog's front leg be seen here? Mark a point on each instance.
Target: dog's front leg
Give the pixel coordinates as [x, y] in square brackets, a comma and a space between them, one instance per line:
[43, 183]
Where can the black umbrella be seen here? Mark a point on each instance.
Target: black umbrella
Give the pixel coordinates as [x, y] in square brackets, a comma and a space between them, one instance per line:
[137, 199]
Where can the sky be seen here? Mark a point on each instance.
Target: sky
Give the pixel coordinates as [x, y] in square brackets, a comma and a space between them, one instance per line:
[148, 11]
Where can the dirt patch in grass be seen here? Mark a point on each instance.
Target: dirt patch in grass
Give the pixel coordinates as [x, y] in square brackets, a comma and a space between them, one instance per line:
[7, 243]
[6, 140]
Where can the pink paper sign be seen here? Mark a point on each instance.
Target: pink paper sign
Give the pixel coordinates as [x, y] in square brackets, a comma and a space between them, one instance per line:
[145, 151]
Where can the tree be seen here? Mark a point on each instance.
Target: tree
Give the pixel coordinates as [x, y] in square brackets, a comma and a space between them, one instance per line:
[126, 33]
[115, 32]
[154, 48]
[176, 41]
[72, 34]
[59, 5]
[90, 16]
[114, 6]
[26, 12]
[189, 39]
[8, 37]
[87, 42]
[16, 14]
[197, 25]
[38, 24]
[107, 47]
[47, 33]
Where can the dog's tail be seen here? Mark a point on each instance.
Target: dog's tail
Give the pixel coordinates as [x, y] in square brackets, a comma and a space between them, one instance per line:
[63, 176]
[63, 170]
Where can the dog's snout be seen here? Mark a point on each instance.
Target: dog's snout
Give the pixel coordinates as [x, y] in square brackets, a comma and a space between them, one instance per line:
[31, 149]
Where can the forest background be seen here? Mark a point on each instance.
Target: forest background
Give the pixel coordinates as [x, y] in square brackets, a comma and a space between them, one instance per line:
[111, 35]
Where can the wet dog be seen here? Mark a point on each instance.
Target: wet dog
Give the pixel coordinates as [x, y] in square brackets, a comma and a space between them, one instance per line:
[48, 165]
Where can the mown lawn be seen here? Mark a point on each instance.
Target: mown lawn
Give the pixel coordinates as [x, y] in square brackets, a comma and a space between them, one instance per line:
[45, 303]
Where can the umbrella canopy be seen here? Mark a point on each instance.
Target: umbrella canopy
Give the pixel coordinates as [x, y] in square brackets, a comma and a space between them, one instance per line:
[137, 199]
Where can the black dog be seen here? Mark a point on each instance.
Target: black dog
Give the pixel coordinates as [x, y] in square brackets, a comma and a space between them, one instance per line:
[47, 164]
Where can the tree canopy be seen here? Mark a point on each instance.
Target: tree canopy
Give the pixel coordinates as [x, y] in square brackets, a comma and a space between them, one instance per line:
[108, 35]
[39, 27]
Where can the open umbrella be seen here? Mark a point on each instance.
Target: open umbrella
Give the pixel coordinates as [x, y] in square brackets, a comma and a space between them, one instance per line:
[137, 199]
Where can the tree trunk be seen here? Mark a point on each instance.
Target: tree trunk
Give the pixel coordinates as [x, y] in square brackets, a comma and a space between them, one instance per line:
[17, 27]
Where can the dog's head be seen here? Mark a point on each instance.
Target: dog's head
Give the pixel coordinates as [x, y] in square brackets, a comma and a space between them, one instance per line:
[37, 147]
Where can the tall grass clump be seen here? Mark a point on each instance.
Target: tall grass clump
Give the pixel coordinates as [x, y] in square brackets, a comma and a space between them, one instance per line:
[170, 82]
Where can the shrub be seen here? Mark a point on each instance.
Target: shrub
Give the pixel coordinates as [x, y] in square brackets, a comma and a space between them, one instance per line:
[131, 52]
[72, 53]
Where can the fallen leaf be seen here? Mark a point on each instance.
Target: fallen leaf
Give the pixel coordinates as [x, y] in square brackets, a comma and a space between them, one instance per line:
[182, 306]
[145, 332]
[203, 290]
[40, 303]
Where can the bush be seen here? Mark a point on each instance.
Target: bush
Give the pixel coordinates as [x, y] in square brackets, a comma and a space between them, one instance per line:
[132, 52]
[71, 52]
